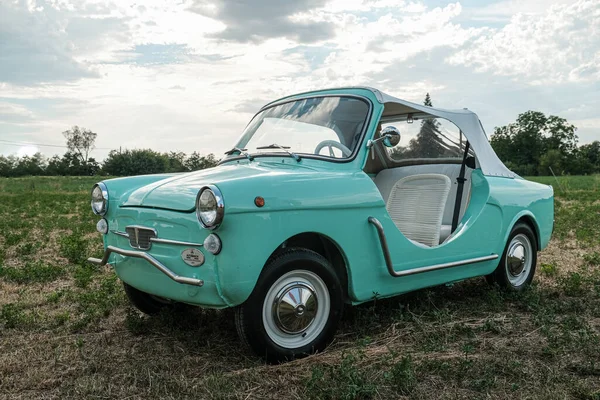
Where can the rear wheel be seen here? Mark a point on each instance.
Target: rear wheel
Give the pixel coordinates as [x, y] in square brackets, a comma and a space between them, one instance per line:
[519, 260]
[294, 309]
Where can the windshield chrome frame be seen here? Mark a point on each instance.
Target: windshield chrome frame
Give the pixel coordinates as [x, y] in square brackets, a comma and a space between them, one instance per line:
[352, 157]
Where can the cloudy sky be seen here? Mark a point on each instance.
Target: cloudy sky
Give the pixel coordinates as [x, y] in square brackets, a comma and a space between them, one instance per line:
[188, 75]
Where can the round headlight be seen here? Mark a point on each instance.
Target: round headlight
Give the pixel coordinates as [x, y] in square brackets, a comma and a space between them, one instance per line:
[210, 207]
[99, 199]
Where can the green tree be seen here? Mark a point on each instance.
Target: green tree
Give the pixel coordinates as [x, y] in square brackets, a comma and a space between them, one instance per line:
[550, 162]
[427, 102]
[7, 165]
[80, 141]
[176, 162]
[590, 154]
[26, 165]
[135, 162]
[196, 162]
[533, 135]
[427, 142]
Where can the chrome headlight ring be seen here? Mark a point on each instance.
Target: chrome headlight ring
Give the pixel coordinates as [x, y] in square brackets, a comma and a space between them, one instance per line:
[210, 207]
[99, 201]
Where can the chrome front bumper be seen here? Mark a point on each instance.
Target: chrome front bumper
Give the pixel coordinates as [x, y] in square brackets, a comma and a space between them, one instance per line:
[151, 260]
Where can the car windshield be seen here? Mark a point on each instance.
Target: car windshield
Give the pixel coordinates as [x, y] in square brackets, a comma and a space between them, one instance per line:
[322, 126]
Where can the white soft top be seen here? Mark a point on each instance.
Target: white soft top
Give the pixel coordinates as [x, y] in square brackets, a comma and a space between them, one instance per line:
[467, 121]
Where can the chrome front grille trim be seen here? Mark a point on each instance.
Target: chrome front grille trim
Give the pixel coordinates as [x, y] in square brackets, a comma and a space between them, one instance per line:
[140, 236]
[159, 240]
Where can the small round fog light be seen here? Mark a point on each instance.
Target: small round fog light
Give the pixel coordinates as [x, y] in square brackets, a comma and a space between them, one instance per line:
[102, 226]
[212, 243]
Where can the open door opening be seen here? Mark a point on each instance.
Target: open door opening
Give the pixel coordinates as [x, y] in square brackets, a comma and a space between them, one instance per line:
[425, 180]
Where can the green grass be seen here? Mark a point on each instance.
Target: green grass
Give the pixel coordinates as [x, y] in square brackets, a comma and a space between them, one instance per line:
[67, 331]
[577, 207]
[49, 184]
[32, 272]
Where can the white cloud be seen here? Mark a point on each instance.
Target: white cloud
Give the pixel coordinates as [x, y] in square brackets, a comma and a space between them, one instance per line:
[370, 47]
[164, 76]
[9, 110]
[398, 6]
[27, 151]
[505, 9]
[561, 45]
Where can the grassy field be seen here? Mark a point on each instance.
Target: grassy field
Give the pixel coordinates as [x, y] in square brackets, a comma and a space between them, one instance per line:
[66, 330]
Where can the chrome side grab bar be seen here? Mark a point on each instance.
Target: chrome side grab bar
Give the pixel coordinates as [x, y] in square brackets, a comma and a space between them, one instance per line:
[390, 267]
[151, 260]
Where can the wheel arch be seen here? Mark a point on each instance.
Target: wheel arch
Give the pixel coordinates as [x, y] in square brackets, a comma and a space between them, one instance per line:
[528, 218]
[323, 245]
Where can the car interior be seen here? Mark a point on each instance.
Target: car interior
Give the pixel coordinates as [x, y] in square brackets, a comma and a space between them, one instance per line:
[426, 192]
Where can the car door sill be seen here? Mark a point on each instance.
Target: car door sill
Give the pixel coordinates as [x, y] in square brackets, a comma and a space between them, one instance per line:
[390, 266]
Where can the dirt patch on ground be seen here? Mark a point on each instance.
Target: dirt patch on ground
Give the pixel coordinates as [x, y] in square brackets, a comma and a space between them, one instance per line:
[566, 255]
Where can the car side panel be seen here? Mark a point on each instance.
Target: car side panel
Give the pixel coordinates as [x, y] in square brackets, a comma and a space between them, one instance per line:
[494, 208]
[522, 198]
[339, 208]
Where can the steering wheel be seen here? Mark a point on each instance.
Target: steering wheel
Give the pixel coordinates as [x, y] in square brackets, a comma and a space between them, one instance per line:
[331, 144]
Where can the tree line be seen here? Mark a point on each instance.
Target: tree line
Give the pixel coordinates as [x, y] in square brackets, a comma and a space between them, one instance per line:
[535, 144]
[76, 161]
[118, 163]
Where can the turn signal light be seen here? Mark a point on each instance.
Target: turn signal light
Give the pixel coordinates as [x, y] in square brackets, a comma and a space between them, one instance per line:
[259, 201]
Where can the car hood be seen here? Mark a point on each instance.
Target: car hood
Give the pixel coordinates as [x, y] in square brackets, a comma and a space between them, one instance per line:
[179, 192]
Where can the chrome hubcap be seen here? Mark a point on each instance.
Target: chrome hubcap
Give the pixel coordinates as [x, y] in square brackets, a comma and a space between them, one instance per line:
[295, 307]
[518, 259]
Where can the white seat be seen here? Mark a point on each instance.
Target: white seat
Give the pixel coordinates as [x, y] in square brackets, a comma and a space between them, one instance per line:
[388, 177]
[416, 204]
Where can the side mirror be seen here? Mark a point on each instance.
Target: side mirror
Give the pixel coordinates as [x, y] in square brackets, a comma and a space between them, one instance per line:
[390, 136]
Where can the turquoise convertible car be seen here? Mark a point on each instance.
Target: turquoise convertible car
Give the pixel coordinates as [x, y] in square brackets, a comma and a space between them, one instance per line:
[329, 198]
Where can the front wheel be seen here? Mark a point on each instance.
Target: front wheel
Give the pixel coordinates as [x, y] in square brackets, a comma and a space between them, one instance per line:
[294, 309]
[517, 265]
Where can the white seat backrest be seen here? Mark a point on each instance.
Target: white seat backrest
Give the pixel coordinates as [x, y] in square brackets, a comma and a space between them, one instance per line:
[387, 178]
[416, 204]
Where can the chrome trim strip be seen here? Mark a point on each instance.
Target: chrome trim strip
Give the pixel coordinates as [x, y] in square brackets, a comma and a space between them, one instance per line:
[390, 267]
[176, 242]
[153, 261]
[124, 234]
[163, 241]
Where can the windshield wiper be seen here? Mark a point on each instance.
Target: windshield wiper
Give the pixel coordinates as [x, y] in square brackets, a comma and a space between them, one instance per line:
[241, 151]
[284, 148]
